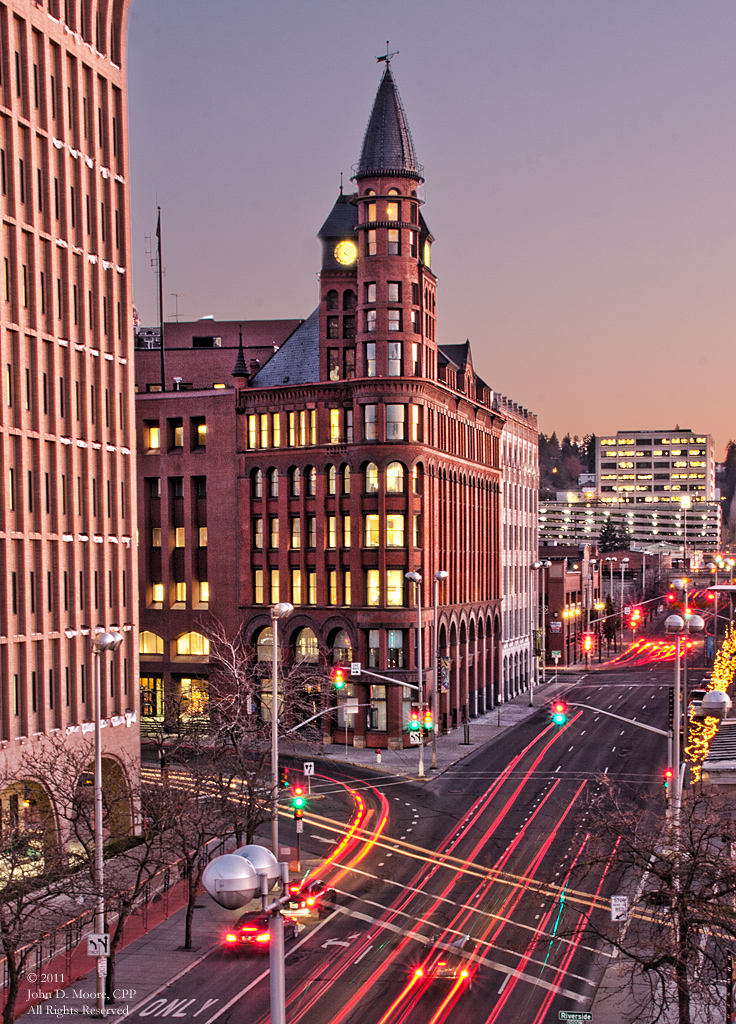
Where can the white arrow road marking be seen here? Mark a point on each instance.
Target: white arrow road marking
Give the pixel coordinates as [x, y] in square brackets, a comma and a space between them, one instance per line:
[341, 942]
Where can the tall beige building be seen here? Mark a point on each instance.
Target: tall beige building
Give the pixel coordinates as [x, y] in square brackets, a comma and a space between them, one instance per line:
[67, 480]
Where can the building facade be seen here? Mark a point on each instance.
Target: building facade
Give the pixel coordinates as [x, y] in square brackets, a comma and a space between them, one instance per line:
[68, 527]
[519, 544]
[361, 450]
[573, 603]
[655, 466]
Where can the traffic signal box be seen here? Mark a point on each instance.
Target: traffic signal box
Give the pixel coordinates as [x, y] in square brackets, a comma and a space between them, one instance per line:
[560, 712]
[338, 677]
[667, 779]
[415, 721]
[586, 641]
[298, 803]
[428, 722]
[635, 618]
[284, 778]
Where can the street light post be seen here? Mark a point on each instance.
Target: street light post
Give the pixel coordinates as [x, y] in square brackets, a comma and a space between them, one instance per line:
[611, 559]
[678, 625]
[104, 641]
[541, 567]
[279, 611]
[416, 579]
[439, 577]
[624, 563]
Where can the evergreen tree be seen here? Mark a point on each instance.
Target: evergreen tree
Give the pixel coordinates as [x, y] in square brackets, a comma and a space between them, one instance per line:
[609, 538]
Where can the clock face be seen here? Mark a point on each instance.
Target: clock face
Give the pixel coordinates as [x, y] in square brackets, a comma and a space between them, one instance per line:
[346, 253]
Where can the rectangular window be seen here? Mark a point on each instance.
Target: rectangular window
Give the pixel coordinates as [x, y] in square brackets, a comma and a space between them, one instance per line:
[371, 242]
[415, 321]
[347, 592]
[349, 429]
[311, 531]
[374, 648]
[204, 592]
[370, 422]
[394, 586]
[370, 359]
[394, 320]
[332, 531]
[416, 359]
[370, 291]
[292, 429]
[157, 592]
[332, 586]
[333, 327]
[418, 530]
[349, 363]
[370, 319]
[395, 648]
[348, 327]
[372, 587]
[302, 428]
[258, 533]
[371, 212]
[296, 586]
[258, 595]
[264, 430]
[394, 242]
[393, 208]
[296, 533]
[312, 586]
[413, 243]
[313, 426]
[276, 429]
[394, 358]
[371, 531]
[394, 291]
[334, 426]
[252, 431]
[181, 593]
[176, 428]
[203, 536]
[274, 532]
[156, 537]
[395, 530]
[395, 426]
[179, 537]
[416, 423]
[333, 363]
[199, 432]
[275, 586]
[346, 531]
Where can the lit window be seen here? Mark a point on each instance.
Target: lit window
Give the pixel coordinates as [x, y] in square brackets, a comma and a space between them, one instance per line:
[392, 210]
[292, 429]
[371, 531]
[296, 533]
[204, 592]
[370, 292]
[178, 438]
[394, 478]
[311, 587]
[296, 586]
[332, 586]
[157, 593]
[154, 438]
[332, 531]
[276, 429]
[346, 531]
[372, 587]
[416, 423]
[264, 430]
[371, 241]
[201, 435]
[181, 593]
[370, 359]
[302, 427]
[331, 480]
[258, 533]
[275, 586]
[394, 531]
[274, 532]
[370, 422]
[347, 587]
[370, 319]
[156, 537]
[193, 644]
[150, 643]
[394, 586]
[334, 428]
[179, 540]
[371, 477]
[394, 242]
[371, 211]
[203, 536]
[311, 531]
[258, 596]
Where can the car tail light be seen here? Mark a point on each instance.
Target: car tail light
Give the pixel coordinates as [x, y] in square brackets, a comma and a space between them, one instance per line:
[463, 974]
[263, 938]
[231, 938]
[250, 928]
[310, 901]
[294, 888]
[419, 973]
[442, 963]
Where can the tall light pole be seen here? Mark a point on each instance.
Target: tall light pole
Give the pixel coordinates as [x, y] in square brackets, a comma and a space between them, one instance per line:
[279, 611]
[684, 505]
[611, 559]
[624, 563]
[416, 579]
[714, 569]
[102, 642]
[541, 567]
[678, 625]
[439, 577]
[592, 562]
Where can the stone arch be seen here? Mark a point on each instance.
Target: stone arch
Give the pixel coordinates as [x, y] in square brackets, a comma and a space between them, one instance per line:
[452, 696]
[30, 820]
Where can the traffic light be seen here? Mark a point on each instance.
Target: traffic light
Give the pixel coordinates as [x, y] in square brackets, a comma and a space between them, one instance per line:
[668, 775]
[298, 803]
[559, 712]
[672, 597]
[635, 620]
[587, 642]
[338, 677]
[284, 778]
[415, 723]
[428, 722]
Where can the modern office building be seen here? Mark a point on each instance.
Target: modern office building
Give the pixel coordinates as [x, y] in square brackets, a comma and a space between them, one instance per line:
[361, 450]
[656, 466]
[519, 543]
[68, 526]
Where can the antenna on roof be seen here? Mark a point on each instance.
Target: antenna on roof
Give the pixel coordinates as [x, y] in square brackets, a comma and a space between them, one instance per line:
[340, 182]
[387, 55]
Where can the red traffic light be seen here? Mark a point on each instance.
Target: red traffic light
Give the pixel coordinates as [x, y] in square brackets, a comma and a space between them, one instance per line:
[559, 712]
[338, 677]
[671, 597]
[587, 642]
[414, 722]
[668, 776]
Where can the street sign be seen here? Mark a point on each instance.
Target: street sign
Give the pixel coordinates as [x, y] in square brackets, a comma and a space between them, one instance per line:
[299, 826]
[555, 626]
[627, 609]
[619, 908]
[308, 768]
[98, 944]
[415, 738]
[556, 655]
[352, 704]
[574, 1015]
[355, 668]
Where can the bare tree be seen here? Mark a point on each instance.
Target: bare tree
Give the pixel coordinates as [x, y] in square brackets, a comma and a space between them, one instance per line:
[681, 883]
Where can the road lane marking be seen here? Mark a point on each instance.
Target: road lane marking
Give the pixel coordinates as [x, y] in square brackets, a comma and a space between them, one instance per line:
[504, 983]
[364, 953]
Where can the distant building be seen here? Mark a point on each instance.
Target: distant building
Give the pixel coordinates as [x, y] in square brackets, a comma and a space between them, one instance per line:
[656, 467]
[573, 601]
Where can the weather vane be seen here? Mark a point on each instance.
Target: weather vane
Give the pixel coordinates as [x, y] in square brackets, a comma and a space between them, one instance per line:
[387, 55]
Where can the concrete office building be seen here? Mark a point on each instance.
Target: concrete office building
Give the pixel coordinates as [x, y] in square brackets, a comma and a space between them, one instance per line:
[656, 466]
[68, 526]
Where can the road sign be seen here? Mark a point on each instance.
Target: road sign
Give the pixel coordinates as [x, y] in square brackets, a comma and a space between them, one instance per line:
[555, 626]
[352, 704]
[415, 738]
[574, 1015]
[556, 655]
[355, 668]
[308, 768]
[299, 826]
[619, 908]
[98, 944]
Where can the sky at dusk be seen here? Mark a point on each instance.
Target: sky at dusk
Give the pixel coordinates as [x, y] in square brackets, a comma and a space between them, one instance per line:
[580, 164]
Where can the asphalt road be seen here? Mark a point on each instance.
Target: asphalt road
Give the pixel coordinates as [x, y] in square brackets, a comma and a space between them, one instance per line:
[479, 858]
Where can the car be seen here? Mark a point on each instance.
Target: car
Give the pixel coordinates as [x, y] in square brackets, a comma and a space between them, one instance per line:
[314, 896]
[251, 931]
[695, 704]
[453, 963]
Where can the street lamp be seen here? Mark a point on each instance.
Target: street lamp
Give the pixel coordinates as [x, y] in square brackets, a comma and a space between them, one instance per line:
[439, 577]
[542, 566]
[102, 642]
[416, 579]
[624, 563]
[611, 559]
[684, 505]
[714, 569]
[678, 625]
[279, 611]
[592, 562]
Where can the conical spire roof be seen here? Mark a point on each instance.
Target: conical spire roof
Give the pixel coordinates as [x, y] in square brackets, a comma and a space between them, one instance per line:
[387, 144]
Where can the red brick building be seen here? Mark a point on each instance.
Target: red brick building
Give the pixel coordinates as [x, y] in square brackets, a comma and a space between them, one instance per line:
[360, 451]
[67, 480]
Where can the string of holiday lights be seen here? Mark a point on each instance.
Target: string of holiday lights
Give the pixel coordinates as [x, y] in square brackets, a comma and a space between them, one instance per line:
[702, 730]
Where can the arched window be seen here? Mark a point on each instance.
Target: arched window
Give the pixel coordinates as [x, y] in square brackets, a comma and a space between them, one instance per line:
[394, 192]
[310, 475]
[346, 479]
[296, 482]
[273, 483]
[332, 299]
[307, 647]
[371, 478]
[342, 649]
[150, 643]
[395, 478]
[370, 192]
[264, 644]
[348, 299]
[257, 483]
[193, 644]
[331, 480]
[417, 476]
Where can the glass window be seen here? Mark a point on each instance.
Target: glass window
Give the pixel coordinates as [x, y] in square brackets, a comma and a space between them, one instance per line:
[258, 484]
[395, 478]
[296, 533]
[177, 433]
[348, 327]
[264, 644]
[157, 593]
[394, 358]
[371, 532]
[342, 649]
[395, 648]
[333, 363]
[415, 322]
[394, 242]
[273, 476]
[332, 531]
[370, 291]
[349, 428]
[181, 592]
[331, 480]
[374, 647]
[307, 647]
[204, 592]
[392, 210]
[347, 587]
[372, 587]
[349, 299]
[195, 697]
[275, 586]
[332, 299]
[258, 596]
[333, 327]
[276, 429]
[296, 482]
[370, 359]
[413, 243]
[264, 430]
[152, 697]
[252, 431]
[370, 320]
[203, 536]
[312, 587]
[416, 423]
[334, 429]
[370, 422]
[303, 427]
[310, 475]
[394, 291]
[371, 211]
[346, 479]
[378, 720]
[346, 531]
[416, 479]
[371, 240]
[311, 531]
[394, 530]
[156, 537]
[193, 644]
[179, 539]
[313, 426]
[371, 478]
[349, 360]
[395, 586]
[418, 530]
[332, 586]
[292, 430]
[154, 437]
[150, 643]
[296, 586]
[274, 532]
[395, 415]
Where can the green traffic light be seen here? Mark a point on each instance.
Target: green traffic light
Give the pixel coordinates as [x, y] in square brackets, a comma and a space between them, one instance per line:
[559, 719]
[298, 801]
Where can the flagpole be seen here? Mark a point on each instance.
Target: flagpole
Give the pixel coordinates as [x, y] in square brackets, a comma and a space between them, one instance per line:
[161, 300]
